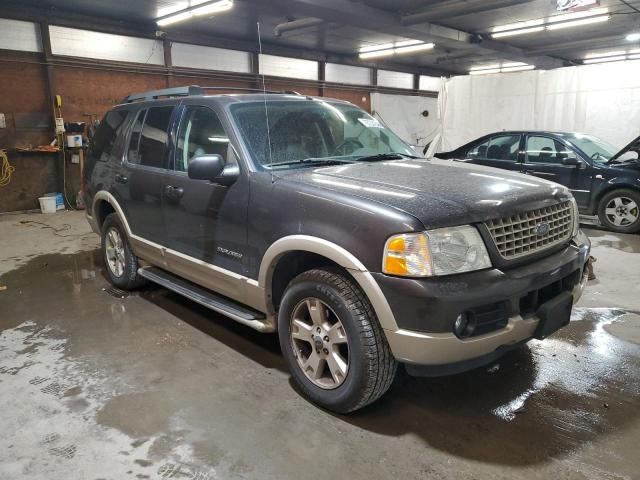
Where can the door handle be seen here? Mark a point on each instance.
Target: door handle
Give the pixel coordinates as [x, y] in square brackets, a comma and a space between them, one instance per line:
[599, 177]
[174, 193]
[120, 178]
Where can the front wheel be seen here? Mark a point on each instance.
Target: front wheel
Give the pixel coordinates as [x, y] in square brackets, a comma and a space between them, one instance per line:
[330, 337]
[619, 211]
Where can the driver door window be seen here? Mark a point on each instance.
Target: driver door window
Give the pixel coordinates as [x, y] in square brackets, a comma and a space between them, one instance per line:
[200, 133]
[545, 150]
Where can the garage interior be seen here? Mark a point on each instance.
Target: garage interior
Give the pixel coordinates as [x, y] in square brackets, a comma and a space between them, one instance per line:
[101, 383]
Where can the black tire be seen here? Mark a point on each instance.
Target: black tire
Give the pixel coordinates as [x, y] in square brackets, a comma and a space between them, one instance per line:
[129, 278]
[625, 194]
[371, 365]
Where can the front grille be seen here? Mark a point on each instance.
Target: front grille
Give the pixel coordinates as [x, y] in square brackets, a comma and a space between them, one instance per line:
[523, 234]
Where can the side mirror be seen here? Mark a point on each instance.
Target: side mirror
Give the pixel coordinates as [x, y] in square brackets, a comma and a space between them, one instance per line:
[572, 161]
[212, 168]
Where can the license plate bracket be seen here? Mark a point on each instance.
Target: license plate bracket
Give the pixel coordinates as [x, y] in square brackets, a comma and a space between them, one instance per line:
[553, 315]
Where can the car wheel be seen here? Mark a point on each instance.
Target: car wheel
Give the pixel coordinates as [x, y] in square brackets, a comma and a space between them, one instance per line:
[619, 211]
[121, 264]
[333, 344]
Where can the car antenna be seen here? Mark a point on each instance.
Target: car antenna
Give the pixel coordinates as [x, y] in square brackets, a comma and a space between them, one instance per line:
[266, 110]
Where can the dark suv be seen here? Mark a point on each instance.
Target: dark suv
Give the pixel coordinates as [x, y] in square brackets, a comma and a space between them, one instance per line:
[308, 217]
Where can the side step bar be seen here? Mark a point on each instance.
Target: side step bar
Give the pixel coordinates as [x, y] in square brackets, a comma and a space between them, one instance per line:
[217, 303]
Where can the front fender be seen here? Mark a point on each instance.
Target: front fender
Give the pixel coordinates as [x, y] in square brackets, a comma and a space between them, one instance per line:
[335, 253]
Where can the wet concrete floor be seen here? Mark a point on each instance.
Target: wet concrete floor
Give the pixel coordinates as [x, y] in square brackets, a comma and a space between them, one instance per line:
[153, 386]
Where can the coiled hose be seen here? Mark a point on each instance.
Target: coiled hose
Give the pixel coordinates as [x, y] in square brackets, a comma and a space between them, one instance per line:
[6, 169]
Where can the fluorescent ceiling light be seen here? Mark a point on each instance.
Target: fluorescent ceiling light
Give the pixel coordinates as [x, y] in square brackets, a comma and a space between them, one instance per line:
[517, 69]
[518, 25]
[415, 48]
[633, 37]
[379, 53]
[179, 17]
[606, 59]
[388, 49]
[207, 8]
[374, 48]
[577, 23]
[517, 32]
[484, 72]
[605, 54]
[504, 68]
[556, 22]
[406, 43]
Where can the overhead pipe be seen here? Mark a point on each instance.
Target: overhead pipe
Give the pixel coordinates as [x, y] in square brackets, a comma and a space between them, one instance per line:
[296, 25]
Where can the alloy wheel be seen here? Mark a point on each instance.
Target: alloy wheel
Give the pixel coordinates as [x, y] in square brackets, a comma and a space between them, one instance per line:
[114, 252]
[320, 343]
[622, 211]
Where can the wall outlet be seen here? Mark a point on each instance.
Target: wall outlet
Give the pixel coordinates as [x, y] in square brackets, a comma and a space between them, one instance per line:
[75, 158]
[3, 121]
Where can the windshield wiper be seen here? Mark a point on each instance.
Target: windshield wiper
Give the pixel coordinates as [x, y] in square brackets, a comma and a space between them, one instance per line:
[385, 156]
[324, 160]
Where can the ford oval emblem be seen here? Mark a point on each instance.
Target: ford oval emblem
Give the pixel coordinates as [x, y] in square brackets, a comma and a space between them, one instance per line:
[542, 229]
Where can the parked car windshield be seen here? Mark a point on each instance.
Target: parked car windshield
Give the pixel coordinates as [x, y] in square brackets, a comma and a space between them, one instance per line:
[598, 150]
[313, 131]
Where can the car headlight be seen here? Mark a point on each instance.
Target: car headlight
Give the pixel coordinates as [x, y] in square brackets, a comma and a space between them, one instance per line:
[576, 218]
[442, 251]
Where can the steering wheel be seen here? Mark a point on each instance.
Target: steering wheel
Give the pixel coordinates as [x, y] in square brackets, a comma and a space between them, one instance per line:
[595, 156]
[349, 142]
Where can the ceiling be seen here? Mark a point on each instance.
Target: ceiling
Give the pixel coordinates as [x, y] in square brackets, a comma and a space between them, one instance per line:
[460, 29]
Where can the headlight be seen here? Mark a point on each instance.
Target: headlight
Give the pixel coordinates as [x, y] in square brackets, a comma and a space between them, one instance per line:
[436, 252]
[576, 218]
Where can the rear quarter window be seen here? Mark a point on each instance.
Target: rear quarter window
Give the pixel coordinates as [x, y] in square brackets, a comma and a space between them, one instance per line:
[104, 141]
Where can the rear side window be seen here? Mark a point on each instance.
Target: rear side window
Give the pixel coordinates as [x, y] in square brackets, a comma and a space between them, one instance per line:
[503, 147]
[105, 138]
[149, 137]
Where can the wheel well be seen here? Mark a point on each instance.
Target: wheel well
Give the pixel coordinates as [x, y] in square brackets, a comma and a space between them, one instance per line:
[289, 266]
[102, 209]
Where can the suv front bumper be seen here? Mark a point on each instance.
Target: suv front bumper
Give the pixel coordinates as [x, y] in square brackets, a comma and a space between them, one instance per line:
[433, 349]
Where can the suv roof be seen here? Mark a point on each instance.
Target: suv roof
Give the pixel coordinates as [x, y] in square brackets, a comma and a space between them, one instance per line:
[241, 95]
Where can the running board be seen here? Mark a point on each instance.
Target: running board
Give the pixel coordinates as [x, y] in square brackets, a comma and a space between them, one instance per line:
[207, 298]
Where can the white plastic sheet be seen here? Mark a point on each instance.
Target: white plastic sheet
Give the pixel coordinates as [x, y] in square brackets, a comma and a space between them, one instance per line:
[403, 114]
[602, 100]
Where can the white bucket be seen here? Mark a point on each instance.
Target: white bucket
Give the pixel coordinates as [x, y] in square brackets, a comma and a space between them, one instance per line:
[47, 204]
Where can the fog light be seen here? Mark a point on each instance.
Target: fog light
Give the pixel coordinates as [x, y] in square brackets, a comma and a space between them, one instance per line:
[464, 325]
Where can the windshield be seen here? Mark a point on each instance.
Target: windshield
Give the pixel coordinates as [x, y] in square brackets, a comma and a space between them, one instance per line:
[598, 150]
[313, 131]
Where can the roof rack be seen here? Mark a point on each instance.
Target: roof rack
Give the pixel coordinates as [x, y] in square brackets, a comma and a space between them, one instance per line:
[165, 92]
[193, 90]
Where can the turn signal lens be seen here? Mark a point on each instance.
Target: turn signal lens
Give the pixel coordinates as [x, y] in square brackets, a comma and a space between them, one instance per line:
[407, 255]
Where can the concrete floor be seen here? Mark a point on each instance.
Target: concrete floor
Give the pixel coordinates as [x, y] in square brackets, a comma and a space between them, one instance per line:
[153, 386]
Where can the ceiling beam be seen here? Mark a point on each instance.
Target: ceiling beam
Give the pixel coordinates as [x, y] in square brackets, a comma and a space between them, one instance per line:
[455, 8]
[360, 15]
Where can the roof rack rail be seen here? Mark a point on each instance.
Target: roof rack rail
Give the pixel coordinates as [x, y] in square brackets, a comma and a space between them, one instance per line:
[194, 90]
[165, 92]
[252, 90]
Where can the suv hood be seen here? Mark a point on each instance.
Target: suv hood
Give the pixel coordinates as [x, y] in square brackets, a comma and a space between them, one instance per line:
[438, 192]
[633, 146]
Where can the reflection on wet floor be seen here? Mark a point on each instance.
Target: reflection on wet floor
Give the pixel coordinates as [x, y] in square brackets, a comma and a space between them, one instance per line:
[548, 400]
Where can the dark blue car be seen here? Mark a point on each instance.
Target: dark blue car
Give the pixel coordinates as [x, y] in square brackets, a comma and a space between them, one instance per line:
[603, 180]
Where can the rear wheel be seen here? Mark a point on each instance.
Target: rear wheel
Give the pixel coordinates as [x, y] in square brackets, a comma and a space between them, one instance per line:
[121, 264]
[619, 211]
[335, 349]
